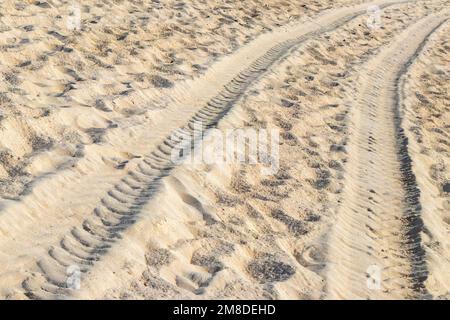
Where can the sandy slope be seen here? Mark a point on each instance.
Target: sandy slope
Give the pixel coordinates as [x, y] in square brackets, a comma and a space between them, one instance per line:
[106, 197]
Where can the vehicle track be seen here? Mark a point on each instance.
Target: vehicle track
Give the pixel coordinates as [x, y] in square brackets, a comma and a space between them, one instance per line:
[375, 249]
[121, 206]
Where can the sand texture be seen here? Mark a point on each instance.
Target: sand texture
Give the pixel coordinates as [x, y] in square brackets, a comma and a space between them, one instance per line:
[92, 110]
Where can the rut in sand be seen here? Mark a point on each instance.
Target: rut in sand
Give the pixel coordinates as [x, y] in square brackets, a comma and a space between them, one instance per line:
[86, 242]
[375, 249]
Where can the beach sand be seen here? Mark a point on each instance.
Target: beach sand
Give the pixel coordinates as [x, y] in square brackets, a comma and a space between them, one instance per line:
[94, 97]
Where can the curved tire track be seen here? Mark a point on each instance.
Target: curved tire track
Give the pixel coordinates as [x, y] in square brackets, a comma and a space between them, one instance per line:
[120, 208]
[378, 232]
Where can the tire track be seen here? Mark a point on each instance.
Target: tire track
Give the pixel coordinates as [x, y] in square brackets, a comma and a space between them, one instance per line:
[120, 208]
[375, 249]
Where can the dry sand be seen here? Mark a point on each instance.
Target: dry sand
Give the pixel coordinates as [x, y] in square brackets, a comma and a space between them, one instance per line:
[362, 192]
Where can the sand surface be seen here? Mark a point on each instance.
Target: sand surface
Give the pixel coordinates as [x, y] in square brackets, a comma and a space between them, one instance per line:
[93, 206]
